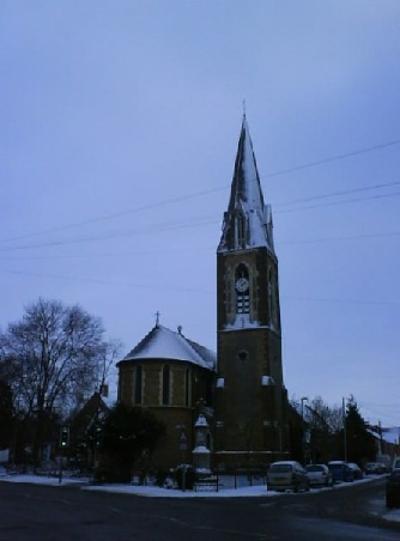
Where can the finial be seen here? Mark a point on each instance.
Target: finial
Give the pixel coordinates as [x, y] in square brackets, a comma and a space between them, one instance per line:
[179, 329]
[244, 107]
[157, 314]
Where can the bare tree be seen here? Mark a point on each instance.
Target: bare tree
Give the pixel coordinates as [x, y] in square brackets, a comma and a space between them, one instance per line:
[53, 356]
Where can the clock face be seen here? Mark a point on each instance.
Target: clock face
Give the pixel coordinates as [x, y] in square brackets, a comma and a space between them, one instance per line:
[242, 285]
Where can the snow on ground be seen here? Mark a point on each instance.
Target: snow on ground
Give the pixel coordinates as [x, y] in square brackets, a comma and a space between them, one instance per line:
[157, 492]
[392, 516]
[224, 491]
[240, 492]
[41, 480]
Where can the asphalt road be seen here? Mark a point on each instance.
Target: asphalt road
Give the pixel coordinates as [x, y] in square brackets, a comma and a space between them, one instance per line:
[30, 512]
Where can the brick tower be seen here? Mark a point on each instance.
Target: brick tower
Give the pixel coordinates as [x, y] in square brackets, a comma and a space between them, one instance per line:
[251, 400]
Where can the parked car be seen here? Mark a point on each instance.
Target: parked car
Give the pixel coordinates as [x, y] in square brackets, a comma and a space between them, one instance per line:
[358, 474]
[393, 489]
[319, 474]
[376, 468]
[396, 464]
[341, 471]
[287, 474]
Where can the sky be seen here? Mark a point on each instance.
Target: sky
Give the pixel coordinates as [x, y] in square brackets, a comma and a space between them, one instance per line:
[119, 127]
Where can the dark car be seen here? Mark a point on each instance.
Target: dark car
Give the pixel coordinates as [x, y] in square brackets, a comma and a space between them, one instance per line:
[393, 489]
[341, 471]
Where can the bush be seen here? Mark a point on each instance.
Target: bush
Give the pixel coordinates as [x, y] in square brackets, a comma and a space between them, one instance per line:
[161, 476]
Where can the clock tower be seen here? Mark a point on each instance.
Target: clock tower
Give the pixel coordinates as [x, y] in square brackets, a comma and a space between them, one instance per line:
[251, 400]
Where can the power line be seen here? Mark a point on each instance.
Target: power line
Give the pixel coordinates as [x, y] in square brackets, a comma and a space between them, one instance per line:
[185, 290]
[347, 301]
[118, 214]
[333, 158]
[168, 226]
[201, 193]
[338, 193]
[349, 237]
[85, 255]
[158, 228]
[336, 203]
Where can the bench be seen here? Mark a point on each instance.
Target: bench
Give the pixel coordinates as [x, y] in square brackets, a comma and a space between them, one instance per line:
[208, 482]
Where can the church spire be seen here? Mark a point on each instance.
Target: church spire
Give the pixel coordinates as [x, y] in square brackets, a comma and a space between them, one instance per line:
[248, 221]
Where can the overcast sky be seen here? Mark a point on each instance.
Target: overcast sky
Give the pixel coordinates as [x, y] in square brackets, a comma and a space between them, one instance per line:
[119, 126]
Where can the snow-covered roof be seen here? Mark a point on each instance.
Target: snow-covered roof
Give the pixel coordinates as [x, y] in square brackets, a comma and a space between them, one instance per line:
[162, 343]
[248, 221]
[391, 435]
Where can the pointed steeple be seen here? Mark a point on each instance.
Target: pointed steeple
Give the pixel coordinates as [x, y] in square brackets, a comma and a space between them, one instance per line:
[248, 221]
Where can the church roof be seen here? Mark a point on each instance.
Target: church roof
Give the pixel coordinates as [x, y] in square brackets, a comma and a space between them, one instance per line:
[248, 221]
[162, 343]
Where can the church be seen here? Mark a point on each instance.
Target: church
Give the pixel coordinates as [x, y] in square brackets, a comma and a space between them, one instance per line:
[239, 391]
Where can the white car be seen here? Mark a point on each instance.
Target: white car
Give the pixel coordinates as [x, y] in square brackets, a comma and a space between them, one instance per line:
[287, 474]
[396, 464]
[319, 474]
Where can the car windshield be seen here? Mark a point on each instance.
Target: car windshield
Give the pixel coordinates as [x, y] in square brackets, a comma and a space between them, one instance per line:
[314, 468]
[335, 466]
[281, 468]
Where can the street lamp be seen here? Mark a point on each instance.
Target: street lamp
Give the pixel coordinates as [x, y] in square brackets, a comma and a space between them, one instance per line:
[303, 399]
[303, 439]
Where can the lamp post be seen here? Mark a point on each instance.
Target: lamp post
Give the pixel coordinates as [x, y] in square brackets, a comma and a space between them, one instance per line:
[344, 428]
[303, 438]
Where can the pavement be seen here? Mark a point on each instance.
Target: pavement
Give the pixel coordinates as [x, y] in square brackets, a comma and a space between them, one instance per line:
[32, 512]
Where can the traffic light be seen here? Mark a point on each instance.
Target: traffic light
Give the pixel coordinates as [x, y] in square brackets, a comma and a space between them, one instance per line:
[64, 437]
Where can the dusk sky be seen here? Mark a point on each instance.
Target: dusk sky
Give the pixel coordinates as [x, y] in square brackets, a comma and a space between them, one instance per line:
[119, 127]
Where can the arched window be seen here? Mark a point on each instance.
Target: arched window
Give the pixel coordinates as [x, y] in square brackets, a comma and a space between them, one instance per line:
[188, 388]
[138, 385]
[166, 385]
[242, 286]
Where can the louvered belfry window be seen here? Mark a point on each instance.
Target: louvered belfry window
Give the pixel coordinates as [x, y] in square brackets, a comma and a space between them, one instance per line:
[242, 290]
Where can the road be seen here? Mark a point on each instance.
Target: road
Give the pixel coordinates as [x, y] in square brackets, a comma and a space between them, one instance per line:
[31, 512]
